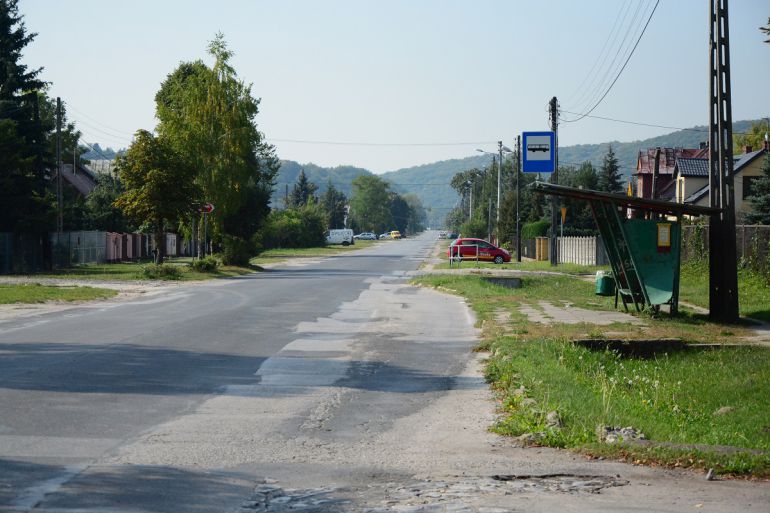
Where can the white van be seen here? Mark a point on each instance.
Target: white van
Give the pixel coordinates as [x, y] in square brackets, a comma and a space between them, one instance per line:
[342, 236]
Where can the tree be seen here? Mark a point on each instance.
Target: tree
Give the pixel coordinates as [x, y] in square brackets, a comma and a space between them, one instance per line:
[369, 204]
[22, 136]
[303, 192]
[609, 176]
[766, 30]
[754, 137]
[760, 195]
[101, 212]
[159, 185]
[334, 204]
[208, 115]
[417, 214]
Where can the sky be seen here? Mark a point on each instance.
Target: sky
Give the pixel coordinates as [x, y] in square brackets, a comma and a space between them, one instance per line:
[390, 84]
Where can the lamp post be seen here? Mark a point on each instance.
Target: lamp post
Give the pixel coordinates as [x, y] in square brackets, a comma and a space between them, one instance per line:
[501, 149]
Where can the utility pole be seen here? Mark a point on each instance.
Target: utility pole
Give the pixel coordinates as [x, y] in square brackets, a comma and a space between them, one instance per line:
[59, 199]
[723, 262]
[518, 198]
[499, 172]
[554, 115]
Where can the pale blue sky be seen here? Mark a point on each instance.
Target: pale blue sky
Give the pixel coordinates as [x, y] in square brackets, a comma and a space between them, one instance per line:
[419, 71]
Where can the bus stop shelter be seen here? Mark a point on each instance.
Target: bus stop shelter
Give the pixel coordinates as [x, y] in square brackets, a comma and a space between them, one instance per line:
[642, 239]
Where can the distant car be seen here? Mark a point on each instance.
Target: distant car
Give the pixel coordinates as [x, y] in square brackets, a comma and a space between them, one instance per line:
[385, 235]
[468, 249]
[442, 235]
[395, 234]
[365, 236]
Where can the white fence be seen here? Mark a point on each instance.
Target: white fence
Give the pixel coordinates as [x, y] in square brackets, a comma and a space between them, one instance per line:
[582, 251]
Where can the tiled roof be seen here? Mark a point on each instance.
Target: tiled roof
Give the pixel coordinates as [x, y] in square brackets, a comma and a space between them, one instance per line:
[645, 163]
[692, 167]
[740, 163]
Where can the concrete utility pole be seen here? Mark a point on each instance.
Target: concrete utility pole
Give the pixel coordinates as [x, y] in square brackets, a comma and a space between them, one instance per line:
[723, 261]
[518, 198]
[59, 192]
[499, 172]
[554, 115]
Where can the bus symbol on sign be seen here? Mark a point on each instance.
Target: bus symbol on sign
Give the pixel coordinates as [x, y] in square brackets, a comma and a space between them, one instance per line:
[539, 156]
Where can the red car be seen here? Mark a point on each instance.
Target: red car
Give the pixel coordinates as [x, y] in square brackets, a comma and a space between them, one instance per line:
[468, 249]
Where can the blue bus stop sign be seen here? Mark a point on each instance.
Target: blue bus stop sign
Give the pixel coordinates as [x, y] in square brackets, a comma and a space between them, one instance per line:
[539, 152]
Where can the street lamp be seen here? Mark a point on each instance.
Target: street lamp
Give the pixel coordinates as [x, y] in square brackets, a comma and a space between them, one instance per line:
[501, 149]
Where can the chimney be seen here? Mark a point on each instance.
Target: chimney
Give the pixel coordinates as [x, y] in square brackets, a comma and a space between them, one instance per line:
[703, 145]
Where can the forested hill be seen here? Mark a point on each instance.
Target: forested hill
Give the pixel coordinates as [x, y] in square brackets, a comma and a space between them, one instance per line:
[431, 181]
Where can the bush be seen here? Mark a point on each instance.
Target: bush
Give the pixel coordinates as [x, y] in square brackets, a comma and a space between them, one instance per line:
[205, 265]
[535, 229]
[477, 227]
[295, 228]
[161, 272]
[236, 251]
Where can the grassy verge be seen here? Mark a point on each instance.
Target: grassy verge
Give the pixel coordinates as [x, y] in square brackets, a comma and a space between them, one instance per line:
[135, 271]
[753, 290]
[36, 293]
[273, 256]
[700, 407]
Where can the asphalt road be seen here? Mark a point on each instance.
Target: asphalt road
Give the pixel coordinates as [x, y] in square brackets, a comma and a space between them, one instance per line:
[81, 390]
[328, 387]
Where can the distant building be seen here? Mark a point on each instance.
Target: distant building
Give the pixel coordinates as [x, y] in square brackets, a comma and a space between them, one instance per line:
[645, 168]
[746, 169]
[82, 180]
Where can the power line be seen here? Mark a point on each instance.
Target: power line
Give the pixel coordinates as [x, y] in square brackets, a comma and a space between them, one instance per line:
[657, 2]
[348, 143]
[112, 129]
[640, 123]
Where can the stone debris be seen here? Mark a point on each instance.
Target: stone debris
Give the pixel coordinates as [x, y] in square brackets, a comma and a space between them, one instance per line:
[457, 495]
[553, 420]
[612, 435]
[724, 410]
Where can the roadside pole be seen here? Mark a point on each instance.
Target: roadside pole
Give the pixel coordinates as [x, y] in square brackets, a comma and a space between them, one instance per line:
[554, 114]
[518, 198]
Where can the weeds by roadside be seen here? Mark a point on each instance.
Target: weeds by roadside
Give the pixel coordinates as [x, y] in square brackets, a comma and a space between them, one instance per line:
[36, 293]
[701, 407]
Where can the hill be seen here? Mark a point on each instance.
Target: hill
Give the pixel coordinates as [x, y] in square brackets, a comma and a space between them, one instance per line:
[430, 182]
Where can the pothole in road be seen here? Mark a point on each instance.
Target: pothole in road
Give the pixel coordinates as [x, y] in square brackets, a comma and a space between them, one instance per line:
[467, 495]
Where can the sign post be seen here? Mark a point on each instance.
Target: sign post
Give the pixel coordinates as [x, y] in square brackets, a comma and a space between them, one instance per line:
[206, 209]
[539, 152]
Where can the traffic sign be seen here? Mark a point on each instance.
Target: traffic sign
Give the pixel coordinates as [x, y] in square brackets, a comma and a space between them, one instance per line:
[539, 152]
[206, 208]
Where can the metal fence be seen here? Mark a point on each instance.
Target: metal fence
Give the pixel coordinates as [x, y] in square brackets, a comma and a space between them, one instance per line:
[81, 247]
[752, 245]
[22, 253]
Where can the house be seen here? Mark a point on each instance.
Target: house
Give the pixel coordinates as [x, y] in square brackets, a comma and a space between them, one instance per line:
[82, 179]
[645, 168]
[690, 175]
[746, 169]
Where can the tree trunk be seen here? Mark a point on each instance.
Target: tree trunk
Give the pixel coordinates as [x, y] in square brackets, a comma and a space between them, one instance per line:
[160, 243]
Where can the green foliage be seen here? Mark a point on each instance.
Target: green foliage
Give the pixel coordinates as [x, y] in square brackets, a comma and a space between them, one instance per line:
[159, 185]
[477, 227]
[579, 220]
[303, 192]
[760, 199]
[236, 250]
[369, 205]
[101, 212]
[205, 265]
[303, 227]
[161, 272]
[535, 229]
[37, 293]
[334, 202]
[753, 137]
[208, 115]
[609, 176]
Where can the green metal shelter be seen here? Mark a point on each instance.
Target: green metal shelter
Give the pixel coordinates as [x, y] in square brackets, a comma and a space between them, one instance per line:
[642, 239]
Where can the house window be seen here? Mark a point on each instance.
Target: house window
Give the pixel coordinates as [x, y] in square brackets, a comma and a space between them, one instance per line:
[748, 182]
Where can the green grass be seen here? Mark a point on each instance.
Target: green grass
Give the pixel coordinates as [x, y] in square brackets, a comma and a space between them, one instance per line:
[753, 290]
[36, 293]
[672, 397]
[272, 256]
[132, 271]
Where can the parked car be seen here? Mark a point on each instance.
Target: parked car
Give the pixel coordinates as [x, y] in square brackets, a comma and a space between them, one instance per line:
[365, 236]
[442, 235]
[395, 234]
[385, 235]
[468, 248]
[342, 236]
